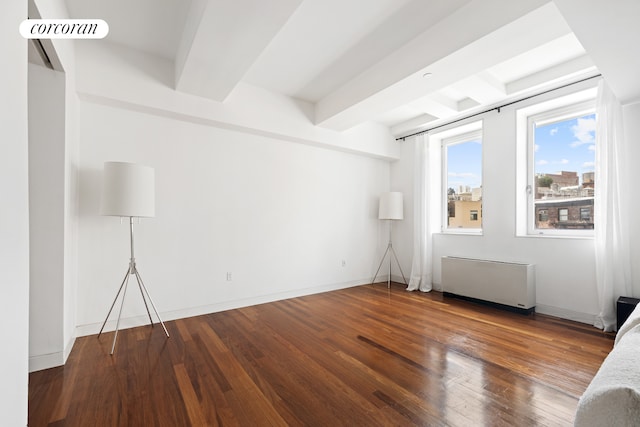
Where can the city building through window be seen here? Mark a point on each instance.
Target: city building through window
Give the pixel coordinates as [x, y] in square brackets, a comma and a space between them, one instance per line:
[561, 165]
[462, 178]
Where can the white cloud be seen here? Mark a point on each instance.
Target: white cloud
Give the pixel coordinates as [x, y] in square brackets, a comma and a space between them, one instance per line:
[564, 161]
[542, 162]
[584, 132]
[592, 147]
[553, 131]
[589, 164]
[536, 147]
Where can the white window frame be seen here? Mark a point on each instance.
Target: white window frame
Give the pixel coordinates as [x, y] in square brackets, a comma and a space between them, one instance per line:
[555, 110]
[460, 138]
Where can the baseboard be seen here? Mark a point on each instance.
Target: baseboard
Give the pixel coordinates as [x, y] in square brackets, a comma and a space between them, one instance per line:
[51, 360]
[46, 361]
[67, 349]
[394, 278]
[524, 311]
[563, 313]
[135, 321]
[550, 310]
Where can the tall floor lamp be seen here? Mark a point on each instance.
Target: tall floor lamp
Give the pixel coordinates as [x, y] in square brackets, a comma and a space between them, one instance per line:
[390, 209]
[128, 190]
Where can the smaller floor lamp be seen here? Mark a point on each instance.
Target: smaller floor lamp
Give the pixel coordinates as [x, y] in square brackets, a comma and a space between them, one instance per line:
[390, 209]
[128, 190]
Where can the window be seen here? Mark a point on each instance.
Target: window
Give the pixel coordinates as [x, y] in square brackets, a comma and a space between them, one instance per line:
[543, 215]
[563, 215]
[585, 214]
[462, 178]
[559, 153]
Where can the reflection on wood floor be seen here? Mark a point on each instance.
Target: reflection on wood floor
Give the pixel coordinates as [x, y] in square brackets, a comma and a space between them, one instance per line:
[364, 356]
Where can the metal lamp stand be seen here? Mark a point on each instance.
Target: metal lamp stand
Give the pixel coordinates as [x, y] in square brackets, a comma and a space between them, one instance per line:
[391, 251]
[131, 271]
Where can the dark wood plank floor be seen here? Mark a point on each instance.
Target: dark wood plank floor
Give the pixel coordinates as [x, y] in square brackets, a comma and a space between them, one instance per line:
[365, 356]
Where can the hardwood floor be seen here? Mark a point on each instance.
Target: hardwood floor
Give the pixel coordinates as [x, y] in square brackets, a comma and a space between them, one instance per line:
[364, 356]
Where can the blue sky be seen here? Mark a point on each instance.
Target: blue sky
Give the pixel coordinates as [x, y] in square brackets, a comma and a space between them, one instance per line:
[566, 146]
[464, 164]
[562, 146]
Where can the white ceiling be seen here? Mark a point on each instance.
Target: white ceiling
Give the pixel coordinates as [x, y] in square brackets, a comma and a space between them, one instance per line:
[356, 60]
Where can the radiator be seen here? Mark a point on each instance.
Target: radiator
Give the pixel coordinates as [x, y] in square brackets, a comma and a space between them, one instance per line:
[505, 283]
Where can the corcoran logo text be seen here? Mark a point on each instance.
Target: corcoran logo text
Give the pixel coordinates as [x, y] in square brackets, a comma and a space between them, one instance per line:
[64, 29]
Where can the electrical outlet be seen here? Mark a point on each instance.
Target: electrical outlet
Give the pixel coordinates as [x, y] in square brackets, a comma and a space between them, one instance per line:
[228, 276]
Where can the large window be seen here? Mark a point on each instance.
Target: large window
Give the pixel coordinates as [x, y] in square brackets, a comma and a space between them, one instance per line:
[462, 179]
[561, 170]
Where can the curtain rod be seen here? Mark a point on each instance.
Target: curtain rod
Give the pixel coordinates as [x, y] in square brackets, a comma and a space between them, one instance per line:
[498, 107]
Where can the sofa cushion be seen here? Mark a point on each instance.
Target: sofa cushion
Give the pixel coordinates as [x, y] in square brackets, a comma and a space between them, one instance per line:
[613, 397]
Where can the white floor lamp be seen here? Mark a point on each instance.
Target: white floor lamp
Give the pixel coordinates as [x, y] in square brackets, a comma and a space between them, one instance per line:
[128, 190]
[390, 209]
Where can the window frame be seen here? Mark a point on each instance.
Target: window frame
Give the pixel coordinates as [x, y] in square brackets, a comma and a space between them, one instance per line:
[559, 112]
[459, 138]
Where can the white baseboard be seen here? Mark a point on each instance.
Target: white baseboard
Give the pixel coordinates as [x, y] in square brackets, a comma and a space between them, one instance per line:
[46, 361]
[51, 360]
[563, 313]
[382, 278]
[550, 310]
[142, 320]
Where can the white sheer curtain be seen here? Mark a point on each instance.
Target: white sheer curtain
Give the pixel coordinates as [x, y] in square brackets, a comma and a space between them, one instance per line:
[421, 271]
[612, 226]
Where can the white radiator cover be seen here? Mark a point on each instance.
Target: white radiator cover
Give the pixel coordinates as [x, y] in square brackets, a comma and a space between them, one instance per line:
[506, 283]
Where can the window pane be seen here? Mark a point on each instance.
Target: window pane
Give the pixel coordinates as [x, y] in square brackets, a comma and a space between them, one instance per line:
[563, 215]
[585, 214]
[564, 169]
[543, 215]
[464, 184]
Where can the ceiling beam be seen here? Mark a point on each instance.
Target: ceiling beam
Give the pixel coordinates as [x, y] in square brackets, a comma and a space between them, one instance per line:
[568, 70]
[436, 105]
[483, 88]
[609, 32]
[415, 124]
[455, 48]
[222, 39]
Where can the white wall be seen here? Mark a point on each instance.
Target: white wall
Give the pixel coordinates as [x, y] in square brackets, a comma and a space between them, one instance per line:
[565, 270]
[14, 218]
[116, 75]
[249, 186]
[46, 220]
[631, 116]
[280, 216]
[54, 198]
[402, 172]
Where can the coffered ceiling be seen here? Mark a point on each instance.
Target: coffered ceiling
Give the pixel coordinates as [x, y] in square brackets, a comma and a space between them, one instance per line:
[408, 64]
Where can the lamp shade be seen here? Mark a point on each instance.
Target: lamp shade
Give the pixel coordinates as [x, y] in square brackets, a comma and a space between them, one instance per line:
[391, 206]
[128, 189]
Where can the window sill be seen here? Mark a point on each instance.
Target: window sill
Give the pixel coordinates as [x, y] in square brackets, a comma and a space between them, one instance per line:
[558, 236]
[467, 232]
